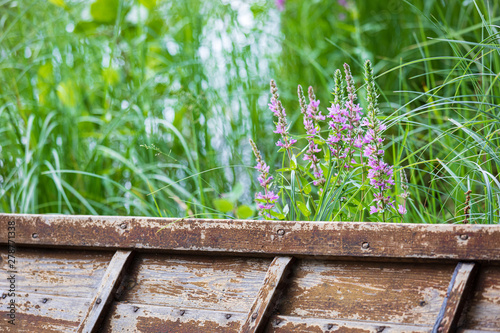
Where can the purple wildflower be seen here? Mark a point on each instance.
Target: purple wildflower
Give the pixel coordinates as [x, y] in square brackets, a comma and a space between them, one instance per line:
[265, 201]
[345, 131]
[380, 173]
[311, 116]
[277, 108]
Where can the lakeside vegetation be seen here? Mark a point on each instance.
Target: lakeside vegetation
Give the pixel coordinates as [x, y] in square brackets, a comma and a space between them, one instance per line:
[120, 107]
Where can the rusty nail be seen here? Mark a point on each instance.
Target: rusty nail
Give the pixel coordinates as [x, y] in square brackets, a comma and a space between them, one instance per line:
[98, 301]
[182, 312]
[254, 316]
[35, 235]
[330, 326]
[228, 316]
[281, 232]
[45, 300]
[380, 329]
[464, 237]
[422, 303]
[365, 245]
[123, 225]
[136, 308]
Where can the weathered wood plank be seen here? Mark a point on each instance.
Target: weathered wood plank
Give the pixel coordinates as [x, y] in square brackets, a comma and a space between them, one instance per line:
[290, 324]
[211, 283]
[331, 239]
[136, 318]
[42, 313]
[458, 290]
[405, 293]
[484, 310]
[259, 312]
[104, 294]
[57, 272]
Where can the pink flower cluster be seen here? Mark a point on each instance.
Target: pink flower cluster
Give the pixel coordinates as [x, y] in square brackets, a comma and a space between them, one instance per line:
[265, 201]
[311, 118]
[281, 125]
[354, 142]
[345, 132]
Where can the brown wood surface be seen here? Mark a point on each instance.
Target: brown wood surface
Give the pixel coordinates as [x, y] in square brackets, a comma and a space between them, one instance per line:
[57, 272]
[290, 324]
[136, 318]
[461, 330]
[211, 283]
[458, 290]
[383, 292]
[105, 292]
[259, 312]
[484, 310]
[328, 239]
[40, 313]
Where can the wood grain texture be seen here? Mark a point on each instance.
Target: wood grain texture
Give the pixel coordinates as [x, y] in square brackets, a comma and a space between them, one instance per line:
[383, 292]
[461, 330]
[57, 272]
[259, 312]
[484, 310]
[290, 324]
[327, 239]
[105, 292]
[39, 313]
[458, 290]
[212, 283]
[136, 318]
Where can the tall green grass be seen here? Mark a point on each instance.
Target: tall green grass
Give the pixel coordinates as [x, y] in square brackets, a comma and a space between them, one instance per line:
[125, 107]
[110, 101]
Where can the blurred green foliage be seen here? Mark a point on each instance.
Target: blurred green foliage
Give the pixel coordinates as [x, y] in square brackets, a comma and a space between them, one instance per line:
[125, 107]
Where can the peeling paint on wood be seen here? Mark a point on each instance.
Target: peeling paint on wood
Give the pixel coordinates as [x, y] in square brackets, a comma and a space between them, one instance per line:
[290, 324]
[385, 292]
[454, 301]
[57, 272]
[484, 310]
[135, 318]
[207, 275]
[212, 283]
[259, 312]
[43, 313]
[104, 293]
[327, 239]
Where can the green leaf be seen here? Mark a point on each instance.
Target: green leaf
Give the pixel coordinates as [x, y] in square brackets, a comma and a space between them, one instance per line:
[244, 212]
[85, 27]
[293, 164]
[303, 208]
[307, 189]
[223, 205]
[279, 216]
[149, 4]
[104, 11]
